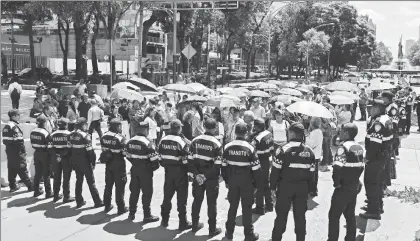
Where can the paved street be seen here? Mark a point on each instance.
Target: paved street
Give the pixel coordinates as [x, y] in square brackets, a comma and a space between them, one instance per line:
[42, 220]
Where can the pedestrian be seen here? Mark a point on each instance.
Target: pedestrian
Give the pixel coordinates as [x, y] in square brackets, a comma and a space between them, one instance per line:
[15, 90]
[290, 178]
[378, 144]
[417, 108]
[113, 144]
[173, 150]
[83, 158]
[149, 118]
[95, 116]
[186, 125]
[259, 111]
[39, 140]
[347, 167]
[81, 88]
[59, 149]
[144, 161]
[278, 127]
[48, 115]
[15, 152]
[123, 111]
[241, 169]
[231, 123]
[63, 106]
[220, 130]
[71, 115]
[402, 120]
[197, 121]
[263, 142]
[363, 103]
[314, 141]
[98, 99]
[205, 160]
[409, 108]
[83, 107]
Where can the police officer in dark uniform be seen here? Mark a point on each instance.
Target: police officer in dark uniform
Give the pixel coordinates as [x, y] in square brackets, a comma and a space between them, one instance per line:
[378, 145]
[241, 169]
[173, 150]
[392, 111]
[205, 160]
[417, 107]
[290, 179]
[409, 108]
[39, 140]
[113, 144]
[15, 152]
[348, 165]
[141, 152]
[59, 150]
[402, 114]
[83, 158]
[263, 141]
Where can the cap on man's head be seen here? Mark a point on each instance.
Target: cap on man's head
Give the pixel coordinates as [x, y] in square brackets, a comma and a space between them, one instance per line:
[241, 129]
[387, 94]
[351, 128]
[62, 121]
[259, 123]
[13, 112]
[115, 122]
[210, 124]
[175, 124]
[41, 119]
[297, 127]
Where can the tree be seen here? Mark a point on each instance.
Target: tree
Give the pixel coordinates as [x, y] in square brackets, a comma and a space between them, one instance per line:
[414, 54]
[315, 45]
[381, 56]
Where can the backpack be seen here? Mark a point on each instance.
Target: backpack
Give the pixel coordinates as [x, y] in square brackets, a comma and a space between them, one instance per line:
[14, 93]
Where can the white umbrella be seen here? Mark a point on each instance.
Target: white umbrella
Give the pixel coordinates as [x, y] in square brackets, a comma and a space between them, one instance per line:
[223, 101]
[258, 93]
[144, 84]
[290, 91]
[125, 85]
[267, 86]
[126, 94]
[197, 86]
[380, 86]
[346, 94]
[179, 88]
[340, 100]
[310, 108]
[224, 90]
[341, 85]
[238, 93]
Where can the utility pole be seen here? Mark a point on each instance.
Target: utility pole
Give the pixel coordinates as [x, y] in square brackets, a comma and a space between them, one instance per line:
[174, 58]
[13, 48]
[140, 41]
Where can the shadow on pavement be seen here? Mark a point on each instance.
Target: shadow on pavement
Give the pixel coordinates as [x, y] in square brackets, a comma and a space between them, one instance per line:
[43, 206]
[311, 204]
[239, 223]
[189, 236]
[96, 219]
[361, 224]
[123, 227]
[64, 211]
[21, 202]
[5, 194]
[156, 234]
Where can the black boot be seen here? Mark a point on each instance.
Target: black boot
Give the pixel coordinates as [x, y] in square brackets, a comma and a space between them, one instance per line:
[258, 211]
[14, 189]
[57, 197]
[252, 237]
[165, 220]
[184, 225]
[68, 200]
[81, 204]
[122, 210]
[228, 235]
[38, 193]
[368, 215]
[214, 232]
[108, 208]
[132, 215]
[150, 219]
[99, 204]
[197, 226]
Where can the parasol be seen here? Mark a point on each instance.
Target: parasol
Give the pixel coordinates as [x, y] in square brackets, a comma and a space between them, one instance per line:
[258, 93]
[126, 94]
[223, 101]
[267, 86]
[342, 86]
[310, 108]
[290, 91]
[346, 94]
[143, 84]
[197, 87]
[179, 88]
[380, 86]
[125, 85]
[340, 100]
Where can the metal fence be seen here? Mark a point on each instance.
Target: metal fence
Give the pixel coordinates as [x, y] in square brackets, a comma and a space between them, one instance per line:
[24, 61]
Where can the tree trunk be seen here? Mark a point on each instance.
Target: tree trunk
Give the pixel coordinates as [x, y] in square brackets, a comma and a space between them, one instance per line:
[146, 26]
[94, 58]
[64, 47]
[290, 70]
[78, 42]
[3, 65]
[29, 26]
[300, 65]
[248, 60]
[85, 38]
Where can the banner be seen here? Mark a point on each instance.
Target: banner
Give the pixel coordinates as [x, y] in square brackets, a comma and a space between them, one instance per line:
[20, 49]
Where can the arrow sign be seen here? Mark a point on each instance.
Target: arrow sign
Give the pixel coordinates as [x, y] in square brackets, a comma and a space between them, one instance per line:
[189, 51]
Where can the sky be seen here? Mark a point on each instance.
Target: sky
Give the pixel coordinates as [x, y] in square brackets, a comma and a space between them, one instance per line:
[392, 19]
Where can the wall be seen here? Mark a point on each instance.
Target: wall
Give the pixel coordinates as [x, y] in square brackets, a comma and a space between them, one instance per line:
[56, 65]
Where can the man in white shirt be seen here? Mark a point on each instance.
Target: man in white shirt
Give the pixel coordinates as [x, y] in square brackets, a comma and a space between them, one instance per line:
[81, 87]
[15, 90]
[231, 124]
[98, 99]
[95, 116]
[259, 111]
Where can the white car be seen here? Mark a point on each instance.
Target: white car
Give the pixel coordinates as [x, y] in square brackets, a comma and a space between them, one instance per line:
[415, 80]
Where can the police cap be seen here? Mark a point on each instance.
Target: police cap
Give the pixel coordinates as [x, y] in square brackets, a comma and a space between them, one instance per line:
[210, 124]
[175, 124]
[62, 122]
[387, 94]
[351, 128]
[41, 119]
[13, 112]
[241, 129]
[259, 123]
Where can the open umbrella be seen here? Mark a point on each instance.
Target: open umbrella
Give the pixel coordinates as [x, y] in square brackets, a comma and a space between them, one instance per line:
[346, 94]
[125, 85]
[126, 94]
[310, 108]
[341, 85]
[258, 93]
[238, 93]
[304, 89]
[340, 100]
[193, 99]
[179, 88]
[143, 84]
[290, 91]
[267, 86]
[197, 86]
[223, 101]
[380, 86]
[286, 99]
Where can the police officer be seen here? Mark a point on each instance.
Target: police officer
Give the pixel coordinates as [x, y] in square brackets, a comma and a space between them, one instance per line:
[409, 107]
[348, 165]
[263, 141]
[83, 158]
[173, 150]
[15, 152]
[290, 178]
[402, 113]
[205, 160]
[113, 144]
[392, 111]
[59, 149]
[417, 105]
[378, 143]
[141, 152]
[241, 168]
[39, 140]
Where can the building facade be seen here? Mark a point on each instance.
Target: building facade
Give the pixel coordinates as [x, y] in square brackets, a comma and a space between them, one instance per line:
[409, 43]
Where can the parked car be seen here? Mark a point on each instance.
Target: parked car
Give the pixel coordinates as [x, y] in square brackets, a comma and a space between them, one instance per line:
[41, 73]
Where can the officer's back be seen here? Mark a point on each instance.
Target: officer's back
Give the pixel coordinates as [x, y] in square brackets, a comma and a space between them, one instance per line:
[114, 143]
[140, 152]
[80, 144]
[173, 148]
[350, 162]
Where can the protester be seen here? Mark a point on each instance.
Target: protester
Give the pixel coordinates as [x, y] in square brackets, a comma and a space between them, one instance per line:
[95, 116]
[15, 90]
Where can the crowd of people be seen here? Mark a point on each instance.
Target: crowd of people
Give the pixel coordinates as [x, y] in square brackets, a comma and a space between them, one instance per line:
[265, 155]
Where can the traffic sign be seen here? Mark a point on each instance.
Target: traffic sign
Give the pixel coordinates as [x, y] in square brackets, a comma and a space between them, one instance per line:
[106, 57]
[222, 67]
[189, 51]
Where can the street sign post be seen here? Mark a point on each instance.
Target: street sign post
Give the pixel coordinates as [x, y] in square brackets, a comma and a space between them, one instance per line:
[189, 52]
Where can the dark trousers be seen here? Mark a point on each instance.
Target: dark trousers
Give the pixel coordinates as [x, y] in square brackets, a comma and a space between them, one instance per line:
[264, 193]
[327, 157]
[343, 201]
[373, 185]
[176, 180]
[119, 178]
[408, 121]
[363, 111]
[95, 125]
[71, 126]
[15, 101]
[17, 167]
[85, 171]
[288, 193]
[62, 169]
[211, 188]
[418, 117]
[42, 169]
[314, 182]
[141, 181]
[240, 189]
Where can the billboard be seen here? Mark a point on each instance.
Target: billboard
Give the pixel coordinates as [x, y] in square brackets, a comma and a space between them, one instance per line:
[20, 49]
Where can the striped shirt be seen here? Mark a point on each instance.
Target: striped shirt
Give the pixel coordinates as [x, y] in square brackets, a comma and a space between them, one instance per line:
[39, 138]
[139, 149]
[173, 150]
[205, 156]
[240, 153]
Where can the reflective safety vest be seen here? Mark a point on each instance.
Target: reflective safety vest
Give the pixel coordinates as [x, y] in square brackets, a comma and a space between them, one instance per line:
[39, 139]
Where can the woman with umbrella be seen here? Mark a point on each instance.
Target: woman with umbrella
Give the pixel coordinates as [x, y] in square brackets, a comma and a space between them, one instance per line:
[314, 141]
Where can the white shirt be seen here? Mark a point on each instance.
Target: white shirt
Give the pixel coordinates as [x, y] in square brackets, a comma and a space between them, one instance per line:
[15, 85]
[221, 132]
[152, 128]
[95, 113]
[98, 100]
[259, 112]
[279, 131]
[314, 141]
[81, 87]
